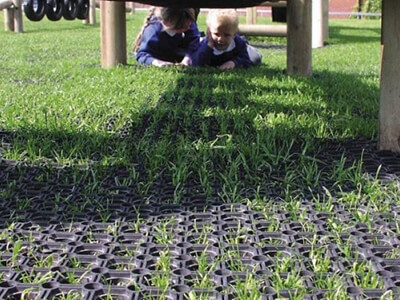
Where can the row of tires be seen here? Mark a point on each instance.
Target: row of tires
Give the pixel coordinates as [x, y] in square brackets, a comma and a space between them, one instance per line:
[35, 10]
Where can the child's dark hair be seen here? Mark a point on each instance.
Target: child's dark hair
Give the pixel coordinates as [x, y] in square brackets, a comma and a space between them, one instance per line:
[175, 16]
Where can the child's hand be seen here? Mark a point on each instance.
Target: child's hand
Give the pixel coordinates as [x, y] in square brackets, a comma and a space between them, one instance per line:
[185, 61]
[161, 63]
[227, 66]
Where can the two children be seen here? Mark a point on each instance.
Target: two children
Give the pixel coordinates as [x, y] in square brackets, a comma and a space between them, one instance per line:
[222, 47]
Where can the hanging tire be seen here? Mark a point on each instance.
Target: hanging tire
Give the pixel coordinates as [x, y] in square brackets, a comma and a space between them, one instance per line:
[279, 14]
[83, 9]
[35, 9]
[70, 9]
[54, 11]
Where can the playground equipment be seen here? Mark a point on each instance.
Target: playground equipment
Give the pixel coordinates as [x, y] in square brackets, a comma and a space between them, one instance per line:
[299, 45]
[12, 15]
[35, 10]
[251, 28]
[320, 28]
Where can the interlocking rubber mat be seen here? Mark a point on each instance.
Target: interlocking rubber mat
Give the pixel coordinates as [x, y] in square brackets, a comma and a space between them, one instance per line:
[58, 241]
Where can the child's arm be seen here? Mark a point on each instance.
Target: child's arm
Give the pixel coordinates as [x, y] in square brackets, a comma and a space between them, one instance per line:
[144, 54]
[242, 59]
[203, 55]
[192, 38]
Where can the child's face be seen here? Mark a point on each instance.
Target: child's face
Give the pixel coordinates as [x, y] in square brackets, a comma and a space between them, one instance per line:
[222, 34]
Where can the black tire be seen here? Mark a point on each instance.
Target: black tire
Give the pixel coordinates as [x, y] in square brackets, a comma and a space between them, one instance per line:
[279, 14]
[54, 11]
[35, 12]
[70, 9]
[83, 9]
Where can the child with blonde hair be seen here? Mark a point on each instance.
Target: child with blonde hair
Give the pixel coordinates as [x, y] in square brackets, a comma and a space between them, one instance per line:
[223, 47]
[168, 37]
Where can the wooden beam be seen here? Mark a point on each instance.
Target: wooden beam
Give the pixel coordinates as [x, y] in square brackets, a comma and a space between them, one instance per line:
[5, 4]
[263, 30]
[299, 37]
[274, 3]
[389, 108]
[113, 33]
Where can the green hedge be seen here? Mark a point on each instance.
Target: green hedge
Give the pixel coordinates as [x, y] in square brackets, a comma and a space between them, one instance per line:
[372, 6]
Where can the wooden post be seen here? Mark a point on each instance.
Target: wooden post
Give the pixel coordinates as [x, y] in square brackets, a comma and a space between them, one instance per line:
[133, 9]
[251, 15]
[113, 33]
[18, 19]
[389, 108]
[92, 12]
[9, 19]
[317, 24]
[299, 37]
[8, 7]
[325, 20]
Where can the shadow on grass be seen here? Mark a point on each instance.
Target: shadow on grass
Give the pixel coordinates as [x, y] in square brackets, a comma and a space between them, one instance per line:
[211, 138]
[348, 34]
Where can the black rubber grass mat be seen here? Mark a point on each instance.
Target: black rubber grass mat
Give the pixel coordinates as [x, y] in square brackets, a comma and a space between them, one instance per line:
[58, 242]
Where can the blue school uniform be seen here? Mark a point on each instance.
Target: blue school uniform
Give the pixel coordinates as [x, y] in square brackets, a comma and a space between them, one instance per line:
[157, 43]
[236, 52]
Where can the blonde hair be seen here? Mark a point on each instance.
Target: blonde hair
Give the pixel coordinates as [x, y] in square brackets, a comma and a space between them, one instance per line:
[174, 16]
[223, 16]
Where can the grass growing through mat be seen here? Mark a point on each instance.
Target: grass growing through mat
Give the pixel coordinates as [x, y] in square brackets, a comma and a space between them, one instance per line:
[227, 132]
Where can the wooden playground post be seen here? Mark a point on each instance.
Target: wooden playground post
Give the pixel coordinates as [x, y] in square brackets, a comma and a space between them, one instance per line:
[92, 12]
[9, 19]
[13, 20]
[299, 37]
[18, 23]
[133, 9]
[251, 15]
[389, 109]
[113, 33]
[317, 24]
[325, 19]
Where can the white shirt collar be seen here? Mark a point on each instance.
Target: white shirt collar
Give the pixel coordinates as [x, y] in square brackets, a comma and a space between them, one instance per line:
[170, 32]
[231, 46]
[173, 33]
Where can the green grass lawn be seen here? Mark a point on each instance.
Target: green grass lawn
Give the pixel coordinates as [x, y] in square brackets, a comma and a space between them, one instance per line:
[61, 106]
[255, 136]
